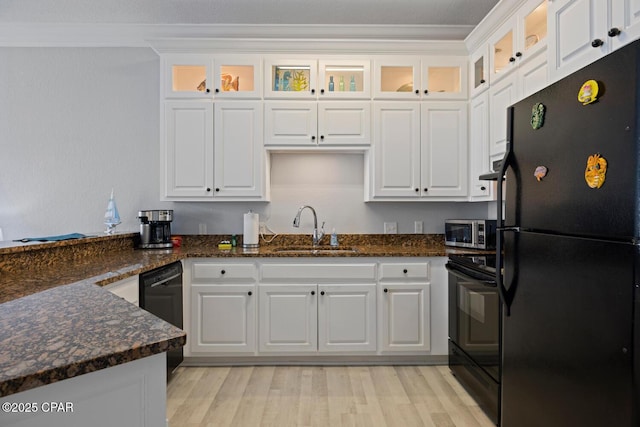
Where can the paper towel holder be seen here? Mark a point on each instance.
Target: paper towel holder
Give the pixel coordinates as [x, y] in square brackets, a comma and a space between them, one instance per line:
[250, 238]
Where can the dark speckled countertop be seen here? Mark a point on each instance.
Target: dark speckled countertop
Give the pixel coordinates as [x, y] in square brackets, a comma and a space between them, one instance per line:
[55, 323]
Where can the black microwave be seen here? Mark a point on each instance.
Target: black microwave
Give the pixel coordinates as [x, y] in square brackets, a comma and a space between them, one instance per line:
[470, 233]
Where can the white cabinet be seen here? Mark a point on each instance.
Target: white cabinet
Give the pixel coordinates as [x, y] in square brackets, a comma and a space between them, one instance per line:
[222, 307]
[479, 147]
[479, 71]
[347, 318]
[186, 152]
[288, 318]
[420, 150]
[405, 307]
[237, 77]
[582, 31]
[310, 123]
[311, 307]
[501, 95]
[223, 318]
[239, 165]
[416, 78]
[187, 75]
[344, 79]
[290, 78]
[127, 289]
[522, 36]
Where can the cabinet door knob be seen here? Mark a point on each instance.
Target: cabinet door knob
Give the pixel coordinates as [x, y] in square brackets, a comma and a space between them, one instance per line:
[321, 137]
[425, 190]
[208, 190]
[321, 292]
[208, 90]
[614, 32]
[386, 290]
[313, 137]
[417, 190]
[322, 91]
[217, 189]
[313, 292]
[417, 92]
[597, 43]
[483, 188]
[518, 54]
[222, 271]
[249, 293]
[512, 59]
[217, 90]
[426, 91]
[483, 81]
[405, 271]
[313, 91]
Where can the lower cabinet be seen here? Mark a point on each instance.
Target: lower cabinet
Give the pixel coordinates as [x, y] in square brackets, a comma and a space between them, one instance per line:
[223, 318]
[325, 318]
[325, 308]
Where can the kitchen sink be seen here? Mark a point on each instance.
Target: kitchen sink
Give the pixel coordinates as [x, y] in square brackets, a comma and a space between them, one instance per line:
[316, 250]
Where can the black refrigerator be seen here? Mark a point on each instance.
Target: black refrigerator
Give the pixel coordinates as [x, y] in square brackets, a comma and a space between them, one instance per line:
[570, 239]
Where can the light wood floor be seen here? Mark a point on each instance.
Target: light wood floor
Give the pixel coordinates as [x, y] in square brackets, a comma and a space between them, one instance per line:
[296, 396]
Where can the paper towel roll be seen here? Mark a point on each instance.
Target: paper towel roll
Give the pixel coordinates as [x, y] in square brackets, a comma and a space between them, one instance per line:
[251, 225]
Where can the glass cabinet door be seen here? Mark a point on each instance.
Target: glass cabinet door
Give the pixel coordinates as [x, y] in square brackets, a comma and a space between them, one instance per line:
[479, 72]
[532, 28]
[237, 77]
[444, 78]
[188, 76]
[503, 51]
[397, 78]
[344, 79]
[290, 78]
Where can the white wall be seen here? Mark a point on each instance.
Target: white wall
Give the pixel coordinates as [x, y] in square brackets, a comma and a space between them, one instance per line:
[76, 122]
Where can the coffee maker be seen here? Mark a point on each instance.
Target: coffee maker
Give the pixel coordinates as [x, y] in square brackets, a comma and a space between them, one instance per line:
[155, 229]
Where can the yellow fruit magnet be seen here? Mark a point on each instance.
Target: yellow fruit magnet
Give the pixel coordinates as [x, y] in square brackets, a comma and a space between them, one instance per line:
[588, 92]
[596, 171]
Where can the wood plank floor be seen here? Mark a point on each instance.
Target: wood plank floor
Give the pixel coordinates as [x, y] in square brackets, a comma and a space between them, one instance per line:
[299, 396]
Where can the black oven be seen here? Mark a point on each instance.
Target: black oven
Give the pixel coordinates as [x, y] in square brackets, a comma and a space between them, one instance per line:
[474, 328]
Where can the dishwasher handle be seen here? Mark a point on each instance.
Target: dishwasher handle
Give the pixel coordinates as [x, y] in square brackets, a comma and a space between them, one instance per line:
[165, 280]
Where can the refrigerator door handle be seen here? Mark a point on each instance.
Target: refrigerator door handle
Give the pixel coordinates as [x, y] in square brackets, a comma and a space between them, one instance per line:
[500, 223]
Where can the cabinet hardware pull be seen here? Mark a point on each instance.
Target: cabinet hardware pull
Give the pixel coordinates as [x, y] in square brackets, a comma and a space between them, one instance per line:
[426, 189]
[417, 92]
[313, 292]
[426, 91]
[614, 32]
[321, 292]
[597, 43]
[208, 90]
[322, 137]
[483, 81]
[217, 90]
[322, 91]
[249, 293]
[208, 190]
[512, 59]
[483, 188]
[417, 190]
[518, 54]
[405, 271]
[386, 290]
[222, 272]
[313, 137]
[313, 91]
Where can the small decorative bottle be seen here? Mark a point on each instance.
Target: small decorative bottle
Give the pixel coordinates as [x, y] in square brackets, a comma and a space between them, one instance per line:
[330, 83]
[341, 84]
[352, 84]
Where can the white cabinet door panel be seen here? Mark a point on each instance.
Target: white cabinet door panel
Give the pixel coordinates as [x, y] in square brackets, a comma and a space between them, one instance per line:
[290, 123]
[405, 317]
[344, 123]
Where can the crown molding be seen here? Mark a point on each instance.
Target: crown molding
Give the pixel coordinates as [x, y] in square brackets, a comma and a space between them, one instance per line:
[140, 35]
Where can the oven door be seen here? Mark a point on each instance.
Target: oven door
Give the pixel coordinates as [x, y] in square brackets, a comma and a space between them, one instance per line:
[474, 317]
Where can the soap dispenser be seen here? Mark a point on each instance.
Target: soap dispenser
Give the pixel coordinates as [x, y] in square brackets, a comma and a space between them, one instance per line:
[334, 238]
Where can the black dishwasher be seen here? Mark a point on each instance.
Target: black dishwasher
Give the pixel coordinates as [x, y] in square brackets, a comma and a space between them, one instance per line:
[161, 295]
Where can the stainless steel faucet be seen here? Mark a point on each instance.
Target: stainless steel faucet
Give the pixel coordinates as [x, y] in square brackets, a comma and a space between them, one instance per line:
[317, 234]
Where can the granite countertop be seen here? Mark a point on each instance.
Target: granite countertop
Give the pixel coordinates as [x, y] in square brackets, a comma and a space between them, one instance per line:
[56, 322]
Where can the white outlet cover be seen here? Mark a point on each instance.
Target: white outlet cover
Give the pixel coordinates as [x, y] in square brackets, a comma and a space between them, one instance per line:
[390, 228]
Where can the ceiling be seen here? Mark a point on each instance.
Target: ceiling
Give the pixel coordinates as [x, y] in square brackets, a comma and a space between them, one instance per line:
[279, 12]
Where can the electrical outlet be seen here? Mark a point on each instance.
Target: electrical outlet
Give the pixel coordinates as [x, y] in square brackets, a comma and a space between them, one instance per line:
[417, 227]
[390, 228]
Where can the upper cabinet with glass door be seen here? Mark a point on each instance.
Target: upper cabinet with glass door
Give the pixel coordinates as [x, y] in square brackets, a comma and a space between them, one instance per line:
[444, 78]
[420, 78]
[344, 79]
[479, 72]
[519, 39]
[187, 76]
[237, 77]
[291, 78]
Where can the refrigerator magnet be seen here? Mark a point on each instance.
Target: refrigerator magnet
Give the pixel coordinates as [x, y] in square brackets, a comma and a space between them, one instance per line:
[537, 115]
[588, 92]
[596, 171]
[540, 172]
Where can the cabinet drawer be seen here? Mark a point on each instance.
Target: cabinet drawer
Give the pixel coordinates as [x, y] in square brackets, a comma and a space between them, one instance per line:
[404, 271]
[312, 272]
[223, 272]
